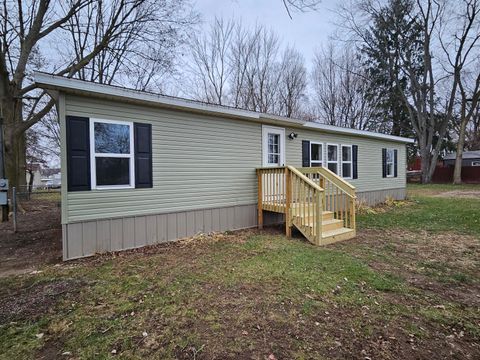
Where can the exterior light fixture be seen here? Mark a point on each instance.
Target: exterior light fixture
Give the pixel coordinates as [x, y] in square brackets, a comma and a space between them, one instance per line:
[292, 135]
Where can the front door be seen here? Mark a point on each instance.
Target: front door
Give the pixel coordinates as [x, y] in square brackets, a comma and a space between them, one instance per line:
[273, 146]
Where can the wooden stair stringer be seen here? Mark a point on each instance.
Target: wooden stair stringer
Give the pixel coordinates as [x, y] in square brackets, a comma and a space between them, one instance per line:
[304, 232]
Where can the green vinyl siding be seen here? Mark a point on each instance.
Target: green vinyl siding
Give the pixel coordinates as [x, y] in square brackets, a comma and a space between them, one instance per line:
[369, 157]
[198, 162]
[202, 162]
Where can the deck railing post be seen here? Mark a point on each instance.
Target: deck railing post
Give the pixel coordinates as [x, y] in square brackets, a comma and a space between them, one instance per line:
[319, 213]
[353, 225]
[288, 202]
[260, 199]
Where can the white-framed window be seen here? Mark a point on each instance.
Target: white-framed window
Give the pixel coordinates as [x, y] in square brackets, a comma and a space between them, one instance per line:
[332, 157]
[316, 154]
[111, 154]
[273, 146]
[347, 161]
[475, 163]
[390, 163]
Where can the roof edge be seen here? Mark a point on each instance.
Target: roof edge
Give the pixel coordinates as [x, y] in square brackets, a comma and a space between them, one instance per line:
[59, 82]
[350, 131]
[51, 81]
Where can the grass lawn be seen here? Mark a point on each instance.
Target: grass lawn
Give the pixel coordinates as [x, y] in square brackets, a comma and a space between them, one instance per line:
[428, 209]
[407, 287]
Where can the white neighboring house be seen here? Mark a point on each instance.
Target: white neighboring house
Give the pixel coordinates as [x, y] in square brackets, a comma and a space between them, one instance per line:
[53, 181]
[43, 177]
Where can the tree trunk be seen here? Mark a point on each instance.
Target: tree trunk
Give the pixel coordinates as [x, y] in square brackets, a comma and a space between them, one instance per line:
[457, 172]
[14, 143]
[30, 181]
[425, 159]
[15, 159]
[425, 165]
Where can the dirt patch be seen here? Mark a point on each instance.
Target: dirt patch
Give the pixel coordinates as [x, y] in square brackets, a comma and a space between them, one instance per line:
[35, 300]
[249, 322]
[38, 240]
[460, 194]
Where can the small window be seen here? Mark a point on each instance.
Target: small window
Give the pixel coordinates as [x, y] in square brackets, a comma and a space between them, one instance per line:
[390, 162]
[347, 168]
[316, 154]
[112, 154]
[273, 148]
[332, 158]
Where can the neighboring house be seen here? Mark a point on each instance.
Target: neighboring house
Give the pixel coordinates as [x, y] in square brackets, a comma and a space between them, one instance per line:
[469, 158]
[470, 168]
[43, 177]
[53, 181]
[140, 168]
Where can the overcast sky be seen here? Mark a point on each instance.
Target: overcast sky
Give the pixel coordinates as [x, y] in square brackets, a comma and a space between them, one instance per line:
[306, 31]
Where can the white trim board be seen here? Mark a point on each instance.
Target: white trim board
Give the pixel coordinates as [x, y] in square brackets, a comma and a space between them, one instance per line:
[94, 155]
[349, 131]
[272, 130]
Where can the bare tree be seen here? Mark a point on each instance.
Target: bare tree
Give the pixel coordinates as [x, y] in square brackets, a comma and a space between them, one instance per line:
[473, 130]
[300, 5]
[239, 58]
[293, 83]
[145, 49]
[103, 32]
[210, 55]
[262, 75]
[430, 94]
[340, 90]
[461, 48]
[246, 69]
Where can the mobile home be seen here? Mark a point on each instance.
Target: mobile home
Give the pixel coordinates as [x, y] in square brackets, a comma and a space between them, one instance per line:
[140, 168]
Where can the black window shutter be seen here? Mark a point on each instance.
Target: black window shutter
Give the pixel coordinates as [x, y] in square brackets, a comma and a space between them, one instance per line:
[143, 155]
[78, 153]
[384, 163]
[395, 163]
[355, 161]
[305, 153]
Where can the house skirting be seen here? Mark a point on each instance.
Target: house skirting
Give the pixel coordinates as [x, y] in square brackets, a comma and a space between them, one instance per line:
[85, 238]
[375, 197]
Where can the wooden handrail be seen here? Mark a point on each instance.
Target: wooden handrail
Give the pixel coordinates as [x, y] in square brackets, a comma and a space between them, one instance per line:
[348, 188]
[304, 178]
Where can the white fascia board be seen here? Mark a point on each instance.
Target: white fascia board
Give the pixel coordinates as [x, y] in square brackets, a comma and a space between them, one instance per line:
[349, 131]
[281, 119]
[62, 83]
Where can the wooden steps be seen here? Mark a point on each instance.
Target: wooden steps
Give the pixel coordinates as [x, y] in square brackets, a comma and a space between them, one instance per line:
[332, 229]
[316, 201]
[333, 224]
[329, 237]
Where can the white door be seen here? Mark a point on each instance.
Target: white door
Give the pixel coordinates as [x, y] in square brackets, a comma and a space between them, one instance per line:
[273, 146]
